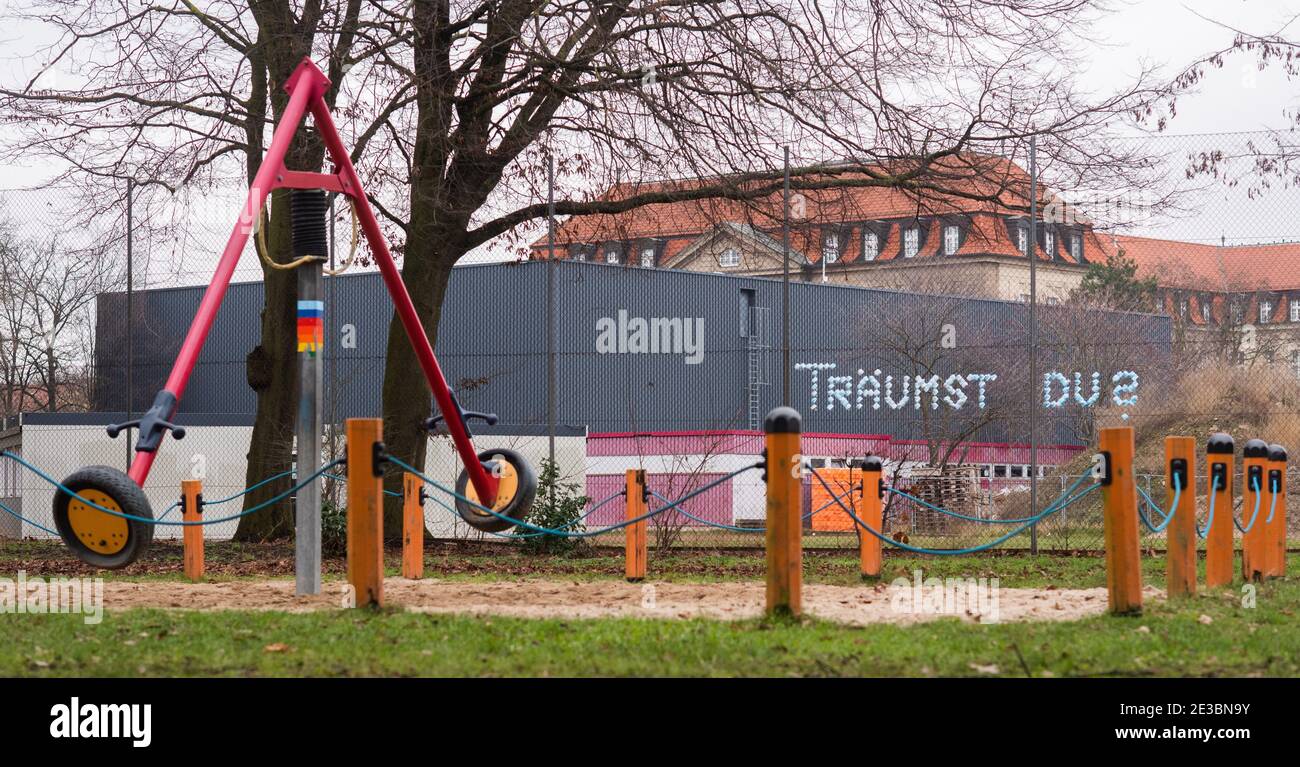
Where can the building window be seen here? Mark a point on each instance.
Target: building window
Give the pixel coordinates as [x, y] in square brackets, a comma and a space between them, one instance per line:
[870, 246]
[831, 247]
[1182, 307]
[1295, 362]
[1265, 311]
[1053, 301]
[951, 240]
[1076, 248]
[1049, 242]
[729, 257]
[1206, 310]
[578, 253]
[1294, 308]
[1022, 240]
[1024, 298]
[612, 254]
[911, 242]
[648, 257]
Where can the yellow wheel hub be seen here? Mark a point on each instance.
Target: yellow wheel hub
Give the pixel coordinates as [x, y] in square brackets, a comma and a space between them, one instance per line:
[507, 486]
[101, 533]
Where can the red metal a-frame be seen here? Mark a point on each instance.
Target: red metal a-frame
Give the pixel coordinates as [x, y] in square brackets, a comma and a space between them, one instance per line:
[306, 87]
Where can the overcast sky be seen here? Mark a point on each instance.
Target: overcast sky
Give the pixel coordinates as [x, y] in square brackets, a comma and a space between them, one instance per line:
[1168, 33]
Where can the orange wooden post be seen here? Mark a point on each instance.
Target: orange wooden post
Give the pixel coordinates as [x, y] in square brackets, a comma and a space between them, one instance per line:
[365, 511]
[1180, 535]
[1219, 540]
[412, 527]
[1276, 529]
[192, 535]
[1254, 510]
[1119, 498]
[872, 515]
[784, 526]
[636, 539]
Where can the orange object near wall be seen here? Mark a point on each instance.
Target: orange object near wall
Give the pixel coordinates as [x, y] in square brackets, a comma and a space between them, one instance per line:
[832, 518]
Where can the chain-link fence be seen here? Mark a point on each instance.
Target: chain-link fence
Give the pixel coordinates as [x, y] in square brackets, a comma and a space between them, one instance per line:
[1173, 308]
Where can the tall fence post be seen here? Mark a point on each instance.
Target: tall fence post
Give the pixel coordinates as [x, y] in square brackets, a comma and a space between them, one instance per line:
[309, 209]
[784, 531]
[1254, 542]
[1218, 541]
[192, 535]
[1180, 535]
[635, 534]
[412, 527]
[872, 514]
[365, 511]
[1277, 527]
[1119, 499]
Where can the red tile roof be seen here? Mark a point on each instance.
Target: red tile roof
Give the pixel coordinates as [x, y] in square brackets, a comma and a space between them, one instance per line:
[1211, 268]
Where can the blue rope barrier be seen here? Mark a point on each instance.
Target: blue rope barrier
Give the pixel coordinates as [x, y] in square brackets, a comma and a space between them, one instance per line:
[555, 531]
[33, 523]
[1209, 517]
[1178, 492]
[671, 504]
[1052, 508]
[146, 520]
[958, 515]
[1249, 525]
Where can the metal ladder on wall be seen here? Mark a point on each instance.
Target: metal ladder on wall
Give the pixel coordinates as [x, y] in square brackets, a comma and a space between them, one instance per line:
[758, 345]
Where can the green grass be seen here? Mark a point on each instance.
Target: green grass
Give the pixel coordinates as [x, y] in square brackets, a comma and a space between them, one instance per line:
[1168, 640]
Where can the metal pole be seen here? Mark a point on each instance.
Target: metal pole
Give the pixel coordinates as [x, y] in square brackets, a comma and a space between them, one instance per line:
[130, 314]
[332, 357]
[1033, 340]
[307, 517]
[550, 308]
[309, 238]
[785, 284]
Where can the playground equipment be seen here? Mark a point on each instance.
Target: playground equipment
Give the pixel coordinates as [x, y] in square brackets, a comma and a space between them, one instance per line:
[102, 513]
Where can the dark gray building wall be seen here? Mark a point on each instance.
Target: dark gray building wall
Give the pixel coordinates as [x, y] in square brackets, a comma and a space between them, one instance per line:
[492, 342]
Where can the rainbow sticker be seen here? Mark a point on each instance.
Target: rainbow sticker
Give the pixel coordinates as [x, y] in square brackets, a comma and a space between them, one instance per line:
[311, 334]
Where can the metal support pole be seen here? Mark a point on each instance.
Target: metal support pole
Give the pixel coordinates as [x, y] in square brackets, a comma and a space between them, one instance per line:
[307, 534]
[309, 239]
[785, 284]
[1033, 340]
[550, 313]
[130, 313]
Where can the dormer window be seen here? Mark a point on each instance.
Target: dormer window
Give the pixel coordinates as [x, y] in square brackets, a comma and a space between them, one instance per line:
[911, 242]
[1207, 312]
[870, 245]
[729, 258]
[1022, 240]
[613, 254]
[1076, 248]
[1265, 311]
[1294, 310]
[648, 256]
[951, 239]
[831, 246]
[1049, 242]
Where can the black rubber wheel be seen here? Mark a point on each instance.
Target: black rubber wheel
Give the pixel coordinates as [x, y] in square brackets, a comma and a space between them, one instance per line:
[516, 488]
[100, 539]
